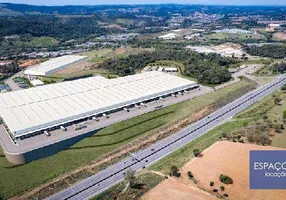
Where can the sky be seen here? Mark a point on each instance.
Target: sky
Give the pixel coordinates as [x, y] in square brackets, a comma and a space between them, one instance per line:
[100, 2]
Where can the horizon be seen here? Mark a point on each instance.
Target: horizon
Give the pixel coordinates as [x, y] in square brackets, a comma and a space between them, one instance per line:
[145, 2]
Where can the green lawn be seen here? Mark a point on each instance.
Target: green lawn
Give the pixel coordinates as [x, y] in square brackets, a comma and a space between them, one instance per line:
[15, 180]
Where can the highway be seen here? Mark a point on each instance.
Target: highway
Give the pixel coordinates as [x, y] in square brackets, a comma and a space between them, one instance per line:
[112, 175]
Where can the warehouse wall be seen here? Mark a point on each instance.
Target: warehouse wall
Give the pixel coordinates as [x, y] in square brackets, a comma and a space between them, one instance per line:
[46, 151]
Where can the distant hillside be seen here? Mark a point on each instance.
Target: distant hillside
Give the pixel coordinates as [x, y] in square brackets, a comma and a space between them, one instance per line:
[23, 9]
[9, 9]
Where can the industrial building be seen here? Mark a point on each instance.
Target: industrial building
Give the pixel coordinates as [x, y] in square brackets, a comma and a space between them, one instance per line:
[52, 65]
[34, 110]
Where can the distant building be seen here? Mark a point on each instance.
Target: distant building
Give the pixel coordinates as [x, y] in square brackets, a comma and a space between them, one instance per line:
[170, 69]
[52, 65]
[233, 70]
[192, 37]
[37, 82]
[233, 31]
[273, 27]
[168, 36]
[38, 109]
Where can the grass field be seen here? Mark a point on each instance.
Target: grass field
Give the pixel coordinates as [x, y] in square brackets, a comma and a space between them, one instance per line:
[185, 154]
[37, 42]
[145, 181]
[59, 78]
[239, 37]
[16, 180]
[217, 36]
[103, 54]
[274, 113]
[265, 107]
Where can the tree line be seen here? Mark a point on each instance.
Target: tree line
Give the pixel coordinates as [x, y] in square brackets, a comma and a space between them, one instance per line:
[207, 69]
[271, 51]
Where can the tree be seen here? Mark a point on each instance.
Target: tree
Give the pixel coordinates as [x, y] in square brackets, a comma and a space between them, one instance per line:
[130, 177]
[196, 152]
[277, 100]
[225, 179]
[222, 188]
[283, 87]
[190, 175]
[284, 116]
[211, 183]
[174, 171]
[256, 132]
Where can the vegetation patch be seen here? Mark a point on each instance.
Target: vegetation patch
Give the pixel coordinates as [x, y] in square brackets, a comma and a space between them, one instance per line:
[207, 69]
[225, 179]
[143, 183]
[271, 51]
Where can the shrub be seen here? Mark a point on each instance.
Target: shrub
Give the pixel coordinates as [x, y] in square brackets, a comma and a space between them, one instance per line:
[225, 179]
[241, 140]
[190, 175]
[196, 152]
[222, 188]
[175, 171]
[277, 100]
[211, 183]
[224, 135]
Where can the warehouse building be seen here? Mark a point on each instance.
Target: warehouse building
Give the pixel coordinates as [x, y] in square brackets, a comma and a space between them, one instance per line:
[32, 111]
[52, 65]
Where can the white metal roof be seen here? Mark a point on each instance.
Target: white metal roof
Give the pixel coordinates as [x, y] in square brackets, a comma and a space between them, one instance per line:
[33, 109]
[54, 64]
[37, 82]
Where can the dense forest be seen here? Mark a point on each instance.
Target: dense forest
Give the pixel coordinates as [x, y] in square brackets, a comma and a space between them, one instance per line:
[271, 51]
[61, 28]
[207, 69]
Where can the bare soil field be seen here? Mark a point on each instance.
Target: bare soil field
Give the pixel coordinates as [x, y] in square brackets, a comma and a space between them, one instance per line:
[26, 63]
[75, 68]
[280, 36]
[231, 159]
[171, 189]
[119, 51]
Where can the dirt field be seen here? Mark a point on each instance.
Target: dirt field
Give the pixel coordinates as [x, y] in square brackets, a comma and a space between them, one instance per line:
[171, 189]
[119, 51]
[231, 159]
[26, 63]
[280, 36]
[75, 68]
